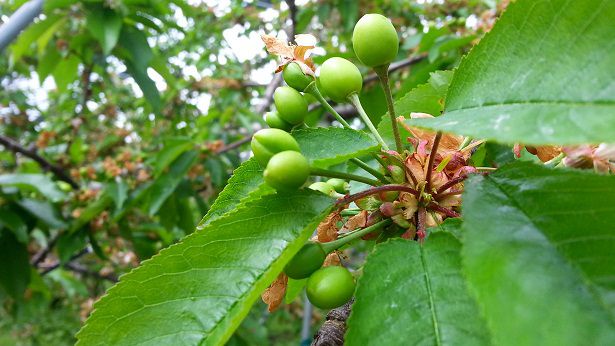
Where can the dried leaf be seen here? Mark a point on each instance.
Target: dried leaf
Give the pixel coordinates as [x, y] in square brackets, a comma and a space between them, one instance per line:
[332, 259]
[327, 230]
[274, 294]
[359, 220]
[292, 53]
[547, 152]
[277, 47]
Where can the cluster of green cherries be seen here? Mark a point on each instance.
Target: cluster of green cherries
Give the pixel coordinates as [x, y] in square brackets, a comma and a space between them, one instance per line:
[375, 43]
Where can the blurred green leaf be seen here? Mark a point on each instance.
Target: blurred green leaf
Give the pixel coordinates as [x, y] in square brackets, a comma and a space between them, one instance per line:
[91, 211]
[11, 220]
[66, 72]
[44, 211]
[118, 191]
[31, 34]
[34, 182]
[15, 268]
[173, 147]
[105, 25]
[164, 186]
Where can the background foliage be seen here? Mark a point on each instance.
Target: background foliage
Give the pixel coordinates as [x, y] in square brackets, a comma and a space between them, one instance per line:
[121, 121]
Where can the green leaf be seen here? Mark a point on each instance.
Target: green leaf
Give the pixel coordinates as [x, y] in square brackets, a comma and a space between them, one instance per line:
[105, 25]
[15, 268]
[173, 147]
[12, 221]
[139, 55]
[164, 186]
[538, 253]
[135, 43]
[425, 98]
[45, 36]
[245, 184]
[76, 150]
[198, 291]
[329, 146]
[39, 182]
[543, 75]
[29, 35]
[44, 211]
[293, 289]
[91, 211]
[66, 72]
[413, 294]
[118, 191]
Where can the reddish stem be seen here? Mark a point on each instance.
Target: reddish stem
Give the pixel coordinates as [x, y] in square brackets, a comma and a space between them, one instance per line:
[432, 157]
[351, 198]
[451, 183]
[442, 210]
[409, 171]
[421, 223]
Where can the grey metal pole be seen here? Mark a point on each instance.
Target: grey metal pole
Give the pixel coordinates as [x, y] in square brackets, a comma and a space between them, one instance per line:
[18, 21]
[306, 335]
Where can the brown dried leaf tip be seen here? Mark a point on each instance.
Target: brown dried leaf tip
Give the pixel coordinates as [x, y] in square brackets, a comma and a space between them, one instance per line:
[274, 294]
[299, 53]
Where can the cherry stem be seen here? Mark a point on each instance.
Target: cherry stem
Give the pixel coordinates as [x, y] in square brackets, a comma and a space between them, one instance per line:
[451, 183]
[342, 175]
[354, 100]
[369, 170]
[442, 210]
[432, 157]
[375, 190]
[383, 75]
[332, 245]
[312, 89]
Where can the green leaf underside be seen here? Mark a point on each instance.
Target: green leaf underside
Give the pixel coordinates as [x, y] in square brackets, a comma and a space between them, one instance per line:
[544, 270]
[425, 98]
[39, 182]
[245, 184]
[554, 86]
[198, 291]
[415, 295]
[326, 147]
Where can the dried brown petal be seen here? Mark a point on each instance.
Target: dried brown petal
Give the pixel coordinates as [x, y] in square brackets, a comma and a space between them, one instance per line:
[332, 259]
[327, 229]
[274, 294]
[359, 220]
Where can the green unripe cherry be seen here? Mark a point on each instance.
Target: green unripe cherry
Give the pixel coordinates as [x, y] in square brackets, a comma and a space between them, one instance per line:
[287, 170]
[309, 259]
[295, 78]
[323, 187]
[340, 185]
[268, 142]
[291, 105]
[375, 40]
[339, 78]
[274, 121]
[330, 287]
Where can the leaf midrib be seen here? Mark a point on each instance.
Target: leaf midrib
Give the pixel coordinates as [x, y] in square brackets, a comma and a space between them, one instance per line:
[432, 306]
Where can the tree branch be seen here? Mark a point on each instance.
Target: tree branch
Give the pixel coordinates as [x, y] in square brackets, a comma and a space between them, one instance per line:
[331, 333]
[13, 146]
